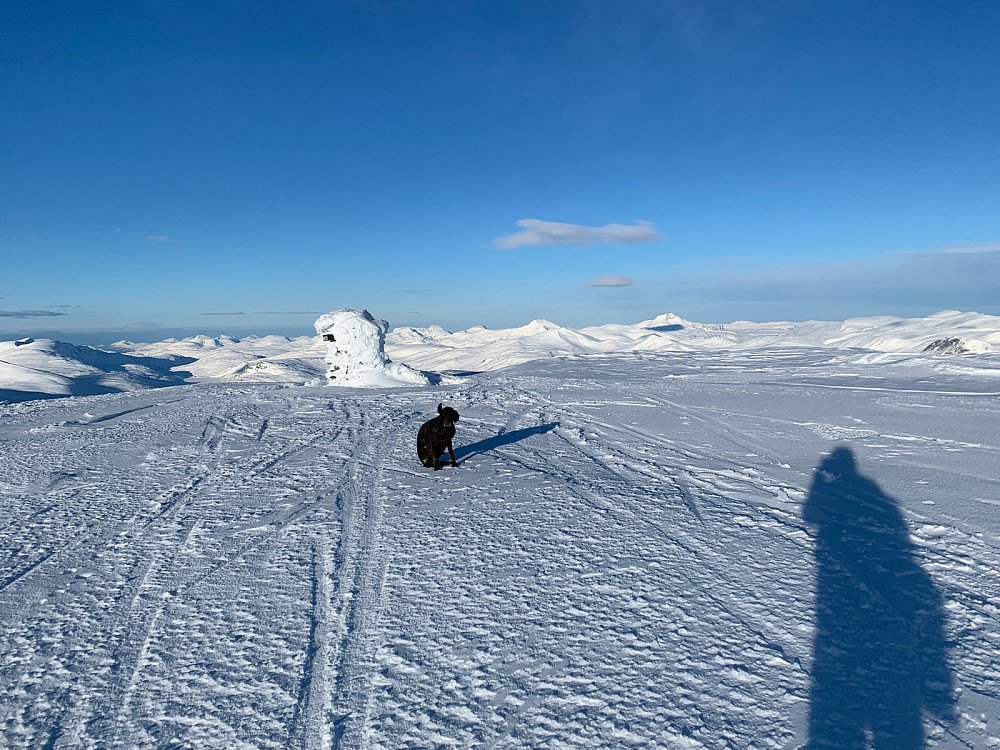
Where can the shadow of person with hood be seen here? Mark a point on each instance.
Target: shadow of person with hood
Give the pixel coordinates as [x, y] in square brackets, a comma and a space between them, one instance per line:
[880, 655]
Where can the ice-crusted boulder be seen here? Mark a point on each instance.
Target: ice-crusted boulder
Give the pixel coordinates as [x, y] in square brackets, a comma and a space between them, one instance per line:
[956, 346]
[356, 354]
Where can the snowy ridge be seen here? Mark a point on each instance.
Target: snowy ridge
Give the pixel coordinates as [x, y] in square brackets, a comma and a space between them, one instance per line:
[254, 358]
[479, 348]
[38, 369]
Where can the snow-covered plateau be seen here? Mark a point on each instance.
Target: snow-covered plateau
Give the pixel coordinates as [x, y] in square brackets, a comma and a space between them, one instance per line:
[666, 535]
[31, 369]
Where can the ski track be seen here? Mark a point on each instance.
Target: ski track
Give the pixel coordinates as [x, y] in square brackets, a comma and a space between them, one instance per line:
[621, 562]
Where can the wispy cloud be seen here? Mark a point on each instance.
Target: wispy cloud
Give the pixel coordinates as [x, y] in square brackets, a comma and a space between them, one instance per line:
[993, 247]
[30, 314]
[538, 232]
[158, 238]
[611, 281]
[268, 312]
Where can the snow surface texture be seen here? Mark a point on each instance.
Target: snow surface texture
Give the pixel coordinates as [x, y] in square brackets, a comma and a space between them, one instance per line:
[356, 354]
[644, 550]
[435, 350]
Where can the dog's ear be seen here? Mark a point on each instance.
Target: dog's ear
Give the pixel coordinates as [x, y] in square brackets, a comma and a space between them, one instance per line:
[439, 408]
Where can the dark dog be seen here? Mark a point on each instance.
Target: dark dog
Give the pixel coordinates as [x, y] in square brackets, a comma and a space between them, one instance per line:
[435, 436]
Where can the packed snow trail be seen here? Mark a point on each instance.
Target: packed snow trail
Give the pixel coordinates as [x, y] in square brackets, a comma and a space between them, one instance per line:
[620, 560]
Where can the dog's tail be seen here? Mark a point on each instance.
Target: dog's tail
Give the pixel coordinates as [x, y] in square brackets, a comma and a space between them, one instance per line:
[439, 407]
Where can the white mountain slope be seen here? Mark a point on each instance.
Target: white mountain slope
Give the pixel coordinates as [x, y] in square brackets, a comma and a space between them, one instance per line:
[481, 349]
[40, 368]
[254, 358]
[303, 360]
[700, 549]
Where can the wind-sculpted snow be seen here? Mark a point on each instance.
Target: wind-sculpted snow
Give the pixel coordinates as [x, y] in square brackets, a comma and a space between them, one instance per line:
[704, 550]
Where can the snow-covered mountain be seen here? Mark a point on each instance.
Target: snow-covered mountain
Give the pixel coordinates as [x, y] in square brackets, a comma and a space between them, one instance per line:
[40, 368]
[479, 348]
[253, 358]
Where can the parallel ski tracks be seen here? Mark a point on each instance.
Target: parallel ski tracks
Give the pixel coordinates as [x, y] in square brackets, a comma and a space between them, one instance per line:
[231, 457]
[162, 569]
[156, 582]
[347, 590]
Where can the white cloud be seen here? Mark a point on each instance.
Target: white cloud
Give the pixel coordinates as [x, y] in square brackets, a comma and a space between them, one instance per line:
[538, 232]
[611, 281]
[158, 238]
[958, 250]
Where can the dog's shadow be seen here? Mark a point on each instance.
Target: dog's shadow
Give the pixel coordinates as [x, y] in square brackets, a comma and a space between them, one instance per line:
[504, 438]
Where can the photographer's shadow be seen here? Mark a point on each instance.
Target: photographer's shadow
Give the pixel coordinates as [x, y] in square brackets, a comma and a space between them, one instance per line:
[880, 655]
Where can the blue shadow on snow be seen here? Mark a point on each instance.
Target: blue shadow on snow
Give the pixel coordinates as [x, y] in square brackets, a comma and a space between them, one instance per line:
[504, 438]
[880, 658]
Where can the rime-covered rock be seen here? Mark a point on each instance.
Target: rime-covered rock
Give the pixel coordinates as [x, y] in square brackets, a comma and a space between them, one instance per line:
[356, 352]
[956, 346]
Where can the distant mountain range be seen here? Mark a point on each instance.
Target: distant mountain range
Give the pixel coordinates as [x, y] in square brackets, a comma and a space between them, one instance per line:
[479, 348]
[43, 368]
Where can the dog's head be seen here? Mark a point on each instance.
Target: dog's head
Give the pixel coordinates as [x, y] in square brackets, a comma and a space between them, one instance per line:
[448, 415]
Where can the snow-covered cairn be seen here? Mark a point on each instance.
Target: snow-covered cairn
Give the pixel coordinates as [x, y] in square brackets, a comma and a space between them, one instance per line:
[355, 351]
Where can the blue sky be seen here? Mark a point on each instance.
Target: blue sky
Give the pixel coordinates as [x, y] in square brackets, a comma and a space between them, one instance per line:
[166, 165]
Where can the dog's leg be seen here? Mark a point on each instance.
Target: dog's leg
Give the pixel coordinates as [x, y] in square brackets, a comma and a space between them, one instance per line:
[452, 454]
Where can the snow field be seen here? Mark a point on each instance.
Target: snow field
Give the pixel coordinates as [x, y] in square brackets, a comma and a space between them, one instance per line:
[620, 559]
